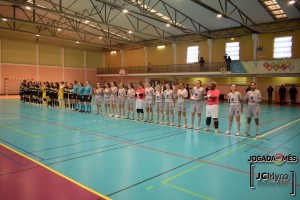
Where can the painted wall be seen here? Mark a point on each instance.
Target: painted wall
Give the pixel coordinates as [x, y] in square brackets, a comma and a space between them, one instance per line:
[43, 62]
[50, 55]
[15, 51]
[163, 56]
[113, 60]
[94, 59]
[135, 57]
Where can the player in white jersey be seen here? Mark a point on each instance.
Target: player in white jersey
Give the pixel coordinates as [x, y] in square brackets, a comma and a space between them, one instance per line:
[149, 96]
[113, 99]
[106, 94]
[159, 103]
[130, 97]
[235, 108]
[182, 95]
[253, 97]
[197, 98]
[98, 93]
[121, 101]
[169, 97]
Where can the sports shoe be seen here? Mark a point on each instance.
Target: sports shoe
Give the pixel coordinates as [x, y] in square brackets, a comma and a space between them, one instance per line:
[117, 116]
[227, 132]
[216, 131]
[171, 124]
[190, 127]
[178, 125]
[167, 123]
[237, 134]
[197, 128]
[246, 134]
[184, 126]
[256, 136]
[206, 129]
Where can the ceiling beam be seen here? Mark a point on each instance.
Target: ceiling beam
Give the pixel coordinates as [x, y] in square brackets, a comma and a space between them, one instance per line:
[227, 8]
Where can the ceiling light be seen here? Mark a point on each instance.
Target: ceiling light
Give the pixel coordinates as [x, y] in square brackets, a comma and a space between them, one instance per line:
[37, 35]
[273, 8]
[231, 39]
[77, 42]
[130, 32]
[4, 19]
[100, 38]
[59, 29]
[28, 8]
[161, 46]
[125, 11]
[291, 2]
[168, 25]
[113, 52]
[86, 21]
[219, 15]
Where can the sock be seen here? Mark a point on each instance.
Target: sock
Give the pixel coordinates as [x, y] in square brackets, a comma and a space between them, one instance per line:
[208, 121]
[257, 126]
[199, 120]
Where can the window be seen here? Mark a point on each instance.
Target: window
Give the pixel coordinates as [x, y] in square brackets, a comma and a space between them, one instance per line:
[283, 47]
[192, 54]
[233, 50]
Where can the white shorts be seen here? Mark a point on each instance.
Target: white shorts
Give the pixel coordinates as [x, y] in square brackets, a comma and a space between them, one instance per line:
[113, 100]
[106, 100]
[181, 106]
[169, 106]
[159, 106]
[149, 103]
[98, 101]
[130, 103]
[234, 110]
[139, 104]
[197, 107]
[253, 110]
[212, 111]
[120, 102]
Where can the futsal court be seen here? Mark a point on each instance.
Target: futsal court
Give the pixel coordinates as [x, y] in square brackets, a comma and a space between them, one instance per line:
[49, 153]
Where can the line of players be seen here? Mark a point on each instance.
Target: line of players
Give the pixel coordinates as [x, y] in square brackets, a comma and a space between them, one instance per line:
[114, 101]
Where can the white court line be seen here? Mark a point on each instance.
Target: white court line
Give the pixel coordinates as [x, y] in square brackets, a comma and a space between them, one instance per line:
[281, 127]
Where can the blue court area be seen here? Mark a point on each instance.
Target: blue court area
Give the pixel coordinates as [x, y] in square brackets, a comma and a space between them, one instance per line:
[125, 159]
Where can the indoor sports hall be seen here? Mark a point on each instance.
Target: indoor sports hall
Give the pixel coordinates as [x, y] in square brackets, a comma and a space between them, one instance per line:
[149, 99]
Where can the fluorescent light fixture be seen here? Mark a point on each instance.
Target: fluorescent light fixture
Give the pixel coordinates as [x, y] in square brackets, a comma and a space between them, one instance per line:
[168, 25]
[77, 42]
[291, 2]
[86, 21]
[130, 32]
[274, 8]
[219, 15]
[37, 35]
[125, 11]
[100, 38]
[28, 8]
[113, 52]
[161, 46]
[4, 19]
[232, 39]
[58, 29]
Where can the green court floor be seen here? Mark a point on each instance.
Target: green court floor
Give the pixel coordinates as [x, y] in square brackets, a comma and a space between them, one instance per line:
[125, 159]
